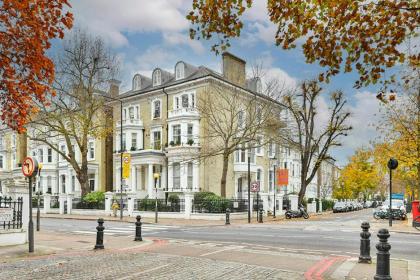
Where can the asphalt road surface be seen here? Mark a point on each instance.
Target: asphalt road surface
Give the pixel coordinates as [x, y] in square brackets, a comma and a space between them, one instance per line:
[330, 234]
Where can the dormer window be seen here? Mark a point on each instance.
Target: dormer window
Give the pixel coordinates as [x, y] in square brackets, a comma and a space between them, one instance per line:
[136, 82]
[179, 71]
[157, 77]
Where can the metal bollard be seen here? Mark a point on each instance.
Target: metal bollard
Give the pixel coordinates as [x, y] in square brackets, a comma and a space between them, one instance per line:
[227, 217]
[365, 244]
[260, 220]
[100, 234]
[383, 265]
[138, 229]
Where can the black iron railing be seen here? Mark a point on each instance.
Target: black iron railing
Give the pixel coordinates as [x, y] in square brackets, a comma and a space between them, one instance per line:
[79, 203]
[211, 205]
[162, 205]
[10, 213]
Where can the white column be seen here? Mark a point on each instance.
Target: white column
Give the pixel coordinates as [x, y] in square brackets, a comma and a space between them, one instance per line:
[188, 198]
[140, 178]
[133, 178]
[293, 202]
[108, 202]
[61, 200]
[264, 197]
[320, 205]
[279, 199]
[170, 176]
[196, 174]
[130, 207]
[69, 203]
[117, 179]
[164, 177]
[96, 187]
[47, 203]
[184, 175]
[150, 191]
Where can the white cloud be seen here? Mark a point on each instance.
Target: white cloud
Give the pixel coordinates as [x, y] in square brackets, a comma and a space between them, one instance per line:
[110, 19]
[175, 38]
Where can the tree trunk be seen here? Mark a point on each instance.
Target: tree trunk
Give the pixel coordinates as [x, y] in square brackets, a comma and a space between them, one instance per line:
[302, 190]
[224, 174]
[83, 177]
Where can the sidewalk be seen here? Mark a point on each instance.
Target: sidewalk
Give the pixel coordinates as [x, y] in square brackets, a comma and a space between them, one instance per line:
[397, 226]
[400, 270]
[49, 243]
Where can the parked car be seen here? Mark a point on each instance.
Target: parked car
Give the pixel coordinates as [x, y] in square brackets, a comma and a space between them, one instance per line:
[350, 206]
[340, 207]
[396, 205]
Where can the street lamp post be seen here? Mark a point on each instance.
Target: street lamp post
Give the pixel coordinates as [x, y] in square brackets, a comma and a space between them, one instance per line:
[275, 190]
[156, 176]
[38, 193]
[121, 151]
[392, 164]
[249, 188]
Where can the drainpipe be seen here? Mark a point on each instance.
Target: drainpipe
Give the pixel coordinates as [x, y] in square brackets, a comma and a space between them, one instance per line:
[167, 144]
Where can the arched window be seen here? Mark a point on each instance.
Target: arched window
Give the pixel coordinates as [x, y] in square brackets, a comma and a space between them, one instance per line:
[136, 82]
[157, 77]
[179, 71]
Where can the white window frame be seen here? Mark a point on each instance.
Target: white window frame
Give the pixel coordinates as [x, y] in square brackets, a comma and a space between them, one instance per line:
[176, 175]
[181, 73]
[259, 150]
[178, 135]
[91, 146]
[152, 138]
[190, 175]
[134, 137]
[153, 108]
[1, 162]
[49, 155]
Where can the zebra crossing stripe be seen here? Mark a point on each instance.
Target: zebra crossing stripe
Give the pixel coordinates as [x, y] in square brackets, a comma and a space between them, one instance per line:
[91, 232]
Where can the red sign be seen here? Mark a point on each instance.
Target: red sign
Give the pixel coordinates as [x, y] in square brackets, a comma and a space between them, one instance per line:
[255, 186]
[282, 177]
[29, 167]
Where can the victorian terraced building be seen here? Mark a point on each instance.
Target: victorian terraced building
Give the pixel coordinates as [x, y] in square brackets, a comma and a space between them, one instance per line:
[165, 130]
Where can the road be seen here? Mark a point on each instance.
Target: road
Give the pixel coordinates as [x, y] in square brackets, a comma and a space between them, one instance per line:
[333, 234]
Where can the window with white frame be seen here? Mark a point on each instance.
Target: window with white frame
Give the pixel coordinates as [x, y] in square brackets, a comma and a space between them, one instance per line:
[49, 155]
[259, 150]
[190, 175]
[240, 155]
[184, 101]
[1, 162]
[73, 183]
[92, 182]
[176, 134]
[123, 142]
[91, 150]
[156, 109]
[251, 152]
[179, 71]
[156, 140]
[157, 77]
[63, 183]
[271, 149]
[49, 184]
[131, 113]
[41, 155]
[133, 141]
[176, 175]
[270, 180]
[190, 135]
[285, 165]
[176, 102]
[241, 119]
[192, 100]
[63, 151]
[259, 175]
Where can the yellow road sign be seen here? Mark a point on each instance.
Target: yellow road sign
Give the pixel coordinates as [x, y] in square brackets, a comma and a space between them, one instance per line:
[126, 165]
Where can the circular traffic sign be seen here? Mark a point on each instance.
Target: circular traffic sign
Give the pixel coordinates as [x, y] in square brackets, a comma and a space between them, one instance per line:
[29, 167]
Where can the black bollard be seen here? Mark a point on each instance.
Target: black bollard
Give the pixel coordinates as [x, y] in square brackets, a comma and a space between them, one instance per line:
[365, 244]
[260, 220]
[100, 234]
[227, 216]
[138, 229]
[383, 265]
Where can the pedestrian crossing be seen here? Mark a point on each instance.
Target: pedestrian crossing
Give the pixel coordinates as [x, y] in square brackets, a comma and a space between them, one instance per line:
[129, 230]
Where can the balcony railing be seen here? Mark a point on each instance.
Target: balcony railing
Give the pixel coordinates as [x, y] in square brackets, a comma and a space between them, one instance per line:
[137, 122]
[193, 112]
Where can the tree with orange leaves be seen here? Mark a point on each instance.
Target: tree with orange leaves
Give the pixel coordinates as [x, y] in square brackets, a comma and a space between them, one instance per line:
[340, 35]
[26, 75]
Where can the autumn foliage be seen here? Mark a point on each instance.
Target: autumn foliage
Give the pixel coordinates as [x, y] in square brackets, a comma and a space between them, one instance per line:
[27, 27]
[340, 35]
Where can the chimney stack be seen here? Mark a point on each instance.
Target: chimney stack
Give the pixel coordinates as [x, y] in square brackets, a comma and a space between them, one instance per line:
[234, 69]
[114, 88]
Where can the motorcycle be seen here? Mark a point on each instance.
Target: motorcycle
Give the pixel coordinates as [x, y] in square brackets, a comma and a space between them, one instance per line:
[384, 214]
[301, 212]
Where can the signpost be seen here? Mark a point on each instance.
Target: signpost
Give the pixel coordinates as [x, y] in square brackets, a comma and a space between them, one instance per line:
[30, 170]
[255, 188]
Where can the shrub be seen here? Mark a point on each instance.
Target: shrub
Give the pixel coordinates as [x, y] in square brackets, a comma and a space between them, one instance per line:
[173, 198]
[94, 197]
[327, 204]
[201, 195]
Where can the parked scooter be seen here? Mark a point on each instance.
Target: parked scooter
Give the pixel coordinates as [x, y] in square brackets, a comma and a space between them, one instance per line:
[301, 212]
[384, 214]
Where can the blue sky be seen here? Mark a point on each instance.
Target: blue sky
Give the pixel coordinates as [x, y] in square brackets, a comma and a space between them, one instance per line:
[148, 34]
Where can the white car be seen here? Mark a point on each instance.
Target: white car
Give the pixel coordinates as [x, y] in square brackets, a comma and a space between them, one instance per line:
[396, 205]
